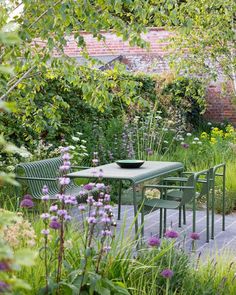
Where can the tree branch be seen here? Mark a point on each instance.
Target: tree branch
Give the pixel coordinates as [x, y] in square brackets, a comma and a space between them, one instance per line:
[4, 96]
[45, 12]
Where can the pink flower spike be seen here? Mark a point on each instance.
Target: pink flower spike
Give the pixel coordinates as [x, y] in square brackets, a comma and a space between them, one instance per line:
[66, 157]
[64, 180]
[45, 190]
[45, 232]
[45, 216]
[45, 198]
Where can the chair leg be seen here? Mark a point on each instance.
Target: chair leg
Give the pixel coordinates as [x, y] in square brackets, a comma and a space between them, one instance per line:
[160, 228]
[142, 221]
[194, 215]
[207, 218]
[180, 217]
[165, 213]
[184, 215]
[213, 211]
[119, 199]
[223, 201]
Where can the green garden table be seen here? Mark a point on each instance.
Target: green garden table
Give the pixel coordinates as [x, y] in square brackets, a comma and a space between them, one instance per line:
[149, 170]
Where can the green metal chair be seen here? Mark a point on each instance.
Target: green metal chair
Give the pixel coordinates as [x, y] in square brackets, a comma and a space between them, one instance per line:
[176, 195]
[213, 174]
[45, 172]
[187, 193]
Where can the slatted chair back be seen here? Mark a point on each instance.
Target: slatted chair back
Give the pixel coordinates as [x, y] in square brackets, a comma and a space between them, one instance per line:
[207, 184]
[39, 173]
[189, 192]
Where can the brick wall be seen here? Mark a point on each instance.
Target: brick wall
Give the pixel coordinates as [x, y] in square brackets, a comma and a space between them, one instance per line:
[220, 105]
[154, 60]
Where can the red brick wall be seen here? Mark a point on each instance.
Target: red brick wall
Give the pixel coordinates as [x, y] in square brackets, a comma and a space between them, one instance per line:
[220, 107]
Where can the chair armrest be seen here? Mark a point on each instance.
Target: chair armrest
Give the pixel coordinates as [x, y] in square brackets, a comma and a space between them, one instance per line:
[191, 172]
[36, 178]
[168, 186]
[182, 179]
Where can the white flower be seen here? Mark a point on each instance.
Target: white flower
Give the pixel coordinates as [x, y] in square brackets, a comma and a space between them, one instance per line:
[75, 138]
[79, 133]
[83, 141]
[189, 134]
[194, 142]
[199, 142]
[165, 141]
[209, 123]
[165, 129]
[196, 139]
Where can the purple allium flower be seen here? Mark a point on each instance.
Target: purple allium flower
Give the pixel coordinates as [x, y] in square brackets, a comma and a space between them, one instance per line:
[185, 145]
[26, 203]
[100, 185]
[53, 208]
[108, 207]
[4, 266]
[195, 236]
[81, 207]
[91, 220]
[90, 200]
[45, 232]
[27, 196]
[154, 241]
[45, 189]
[106, 233]
[45, 198]
[61, 212]
[64, 180]
[67, 217]
[167, 273]
[54, 224]
[171, 234]
[45, 216]
[4, 287]
[88, 186]
[66, 157]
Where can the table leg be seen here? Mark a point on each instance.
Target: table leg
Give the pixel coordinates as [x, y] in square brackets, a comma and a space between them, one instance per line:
[135, 209]
[119, 199]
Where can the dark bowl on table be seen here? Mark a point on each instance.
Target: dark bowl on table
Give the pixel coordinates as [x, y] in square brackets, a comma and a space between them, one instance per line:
[130, 163]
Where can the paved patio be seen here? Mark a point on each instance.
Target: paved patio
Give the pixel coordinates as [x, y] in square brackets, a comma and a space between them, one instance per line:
[223, 240]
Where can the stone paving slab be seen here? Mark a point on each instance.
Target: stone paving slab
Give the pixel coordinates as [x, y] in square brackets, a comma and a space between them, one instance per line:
[223, 239]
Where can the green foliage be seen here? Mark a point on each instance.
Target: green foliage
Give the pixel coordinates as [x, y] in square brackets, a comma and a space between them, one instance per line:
[13, 261]
[207, 49]
[188, 96]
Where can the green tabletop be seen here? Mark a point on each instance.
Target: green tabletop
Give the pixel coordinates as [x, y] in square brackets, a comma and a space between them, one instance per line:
[149, 170]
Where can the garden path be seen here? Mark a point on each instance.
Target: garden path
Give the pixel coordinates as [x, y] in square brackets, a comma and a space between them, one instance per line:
[223, 240]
